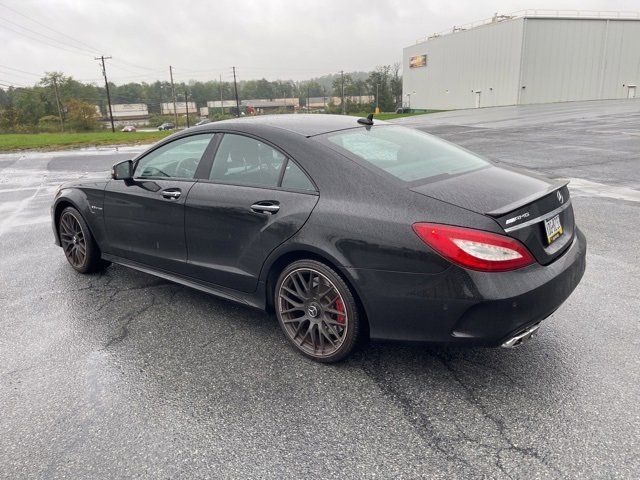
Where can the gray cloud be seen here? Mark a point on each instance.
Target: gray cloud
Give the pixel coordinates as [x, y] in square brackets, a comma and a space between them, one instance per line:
[203, 39]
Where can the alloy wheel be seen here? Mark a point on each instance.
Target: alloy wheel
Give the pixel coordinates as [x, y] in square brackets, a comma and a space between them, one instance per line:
[73, 240]
[312, 312]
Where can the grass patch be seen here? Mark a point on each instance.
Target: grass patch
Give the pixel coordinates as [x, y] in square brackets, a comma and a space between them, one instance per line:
[59, 141]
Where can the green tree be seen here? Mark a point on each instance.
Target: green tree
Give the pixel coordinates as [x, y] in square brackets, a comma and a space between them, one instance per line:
[81, 115]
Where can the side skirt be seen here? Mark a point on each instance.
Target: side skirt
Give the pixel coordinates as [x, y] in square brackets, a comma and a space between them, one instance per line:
[255, 299]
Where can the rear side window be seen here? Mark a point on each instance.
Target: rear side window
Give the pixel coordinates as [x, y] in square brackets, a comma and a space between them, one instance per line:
[243, 160]
[295, 179]
[405, 153]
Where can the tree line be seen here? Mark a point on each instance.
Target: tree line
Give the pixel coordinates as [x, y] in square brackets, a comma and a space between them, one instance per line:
[59, 102]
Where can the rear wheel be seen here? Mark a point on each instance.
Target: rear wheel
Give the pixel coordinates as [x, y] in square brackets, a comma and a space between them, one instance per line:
[78, 244]
[317, 311]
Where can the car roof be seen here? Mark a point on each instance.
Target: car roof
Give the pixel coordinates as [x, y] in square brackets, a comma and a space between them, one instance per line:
[307, 125]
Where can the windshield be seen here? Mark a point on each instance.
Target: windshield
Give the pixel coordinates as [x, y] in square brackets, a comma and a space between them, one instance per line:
[405, 153]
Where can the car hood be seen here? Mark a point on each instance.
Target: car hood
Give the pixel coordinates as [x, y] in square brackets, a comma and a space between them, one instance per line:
[492, 190]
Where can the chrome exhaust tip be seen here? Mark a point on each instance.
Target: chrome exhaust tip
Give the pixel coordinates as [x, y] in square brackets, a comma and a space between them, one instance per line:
[522, 337]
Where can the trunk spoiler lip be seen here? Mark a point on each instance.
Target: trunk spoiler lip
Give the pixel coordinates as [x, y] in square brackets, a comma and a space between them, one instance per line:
[553, 186]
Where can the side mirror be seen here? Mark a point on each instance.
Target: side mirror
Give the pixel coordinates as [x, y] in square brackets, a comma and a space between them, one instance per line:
[122, 170]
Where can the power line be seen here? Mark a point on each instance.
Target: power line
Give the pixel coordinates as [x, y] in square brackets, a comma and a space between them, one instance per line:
[21, 71]
[48, 27]
[13, 84]
[45, 36]
[41, 41]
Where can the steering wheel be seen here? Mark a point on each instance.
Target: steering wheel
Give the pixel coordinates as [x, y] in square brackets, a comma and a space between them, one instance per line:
[187, 168]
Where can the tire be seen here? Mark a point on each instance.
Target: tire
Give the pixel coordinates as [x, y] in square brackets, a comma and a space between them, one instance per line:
[322, 326]
[78, 244]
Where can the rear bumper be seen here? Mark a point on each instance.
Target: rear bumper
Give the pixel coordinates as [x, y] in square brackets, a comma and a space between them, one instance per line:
[463, 306]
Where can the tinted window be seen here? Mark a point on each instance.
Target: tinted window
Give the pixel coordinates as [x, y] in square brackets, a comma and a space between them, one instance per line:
[295, 179]
[406, 153]
[177, 159]
[243, 160]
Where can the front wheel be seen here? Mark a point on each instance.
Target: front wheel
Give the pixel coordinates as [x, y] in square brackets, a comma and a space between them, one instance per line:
[78, 244]
[317, 311]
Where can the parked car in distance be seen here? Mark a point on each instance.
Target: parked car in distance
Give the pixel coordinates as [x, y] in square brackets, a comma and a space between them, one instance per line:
[167, 126]
[346, 228]
[203, 121]
[129, 128]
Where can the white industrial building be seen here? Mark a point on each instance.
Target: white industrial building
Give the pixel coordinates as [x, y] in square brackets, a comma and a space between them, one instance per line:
[180, 107]
[529, 57]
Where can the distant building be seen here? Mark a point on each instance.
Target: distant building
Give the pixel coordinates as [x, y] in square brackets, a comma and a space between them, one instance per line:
[128, 114]
[535, 56]
[181, 108]
[353, 99]
[266, 105]
[225, 104]
[319, 102]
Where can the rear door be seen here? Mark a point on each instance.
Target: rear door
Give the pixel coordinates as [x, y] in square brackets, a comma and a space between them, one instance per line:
[144, 218]
[253, 199]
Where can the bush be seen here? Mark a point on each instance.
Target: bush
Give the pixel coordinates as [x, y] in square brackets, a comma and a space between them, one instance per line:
[49, 124]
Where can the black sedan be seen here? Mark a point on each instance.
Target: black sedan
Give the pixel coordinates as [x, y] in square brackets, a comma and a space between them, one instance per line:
[346, 228]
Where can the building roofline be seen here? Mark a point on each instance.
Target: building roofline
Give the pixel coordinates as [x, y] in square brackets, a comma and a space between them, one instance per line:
[539, 13]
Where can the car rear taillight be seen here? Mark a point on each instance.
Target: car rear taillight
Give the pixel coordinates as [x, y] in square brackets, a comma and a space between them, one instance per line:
[474, 249]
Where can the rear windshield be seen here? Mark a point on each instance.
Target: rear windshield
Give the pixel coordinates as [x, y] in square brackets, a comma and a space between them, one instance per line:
[405, 153]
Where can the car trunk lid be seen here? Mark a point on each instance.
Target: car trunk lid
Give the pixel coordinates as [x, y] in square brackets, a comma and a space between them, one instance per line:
[519, 203]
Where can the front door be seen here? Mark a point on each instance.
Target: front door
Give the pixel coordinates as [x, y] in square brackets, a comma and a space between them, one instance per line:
[144, 218]
[254, 200]
[631, 91]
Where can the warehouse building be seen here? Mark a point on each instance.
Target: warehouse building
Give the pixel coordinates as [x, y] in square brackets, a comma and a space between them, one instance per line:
[528, 57]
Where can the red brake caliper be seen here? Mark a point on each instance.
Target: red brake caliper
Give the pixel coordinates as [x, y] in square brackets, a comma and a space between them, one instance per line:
[340, 308]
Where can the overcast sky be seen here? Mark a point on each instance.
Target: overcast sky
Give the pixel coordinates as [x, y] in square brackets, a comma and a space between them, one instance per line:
[284, 39]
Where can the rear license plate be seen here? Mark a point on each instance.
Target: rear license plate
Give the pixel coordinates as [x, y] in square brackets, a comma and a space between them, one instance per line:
[553, 228]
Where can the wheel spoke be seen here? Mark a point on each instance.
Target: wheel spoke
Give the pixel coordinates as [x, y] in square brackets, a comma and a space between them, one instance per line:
[292, 302]
[292, 292]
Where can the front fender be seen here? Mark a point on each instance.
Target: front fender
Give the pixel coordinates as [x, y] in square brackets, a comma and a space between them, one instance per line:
[89, 202]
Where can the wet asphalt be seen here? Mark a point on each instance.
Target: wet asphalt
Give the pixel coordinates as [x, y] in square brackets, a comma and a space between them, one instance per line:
[126, 375]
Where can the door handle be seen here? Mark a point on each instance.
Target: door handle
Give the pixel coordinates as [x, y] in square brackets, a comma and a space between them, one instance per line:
[265, 207]
[172, 194]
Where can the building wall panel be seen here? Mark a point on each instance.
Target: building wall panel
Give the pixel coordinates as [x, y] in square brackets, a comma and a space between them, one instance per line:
[578, 59]
[484, 59]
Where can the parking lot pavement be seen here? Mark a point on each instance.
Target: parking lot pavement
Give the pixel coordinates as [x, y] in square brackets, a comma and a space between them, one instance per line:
[123, 374]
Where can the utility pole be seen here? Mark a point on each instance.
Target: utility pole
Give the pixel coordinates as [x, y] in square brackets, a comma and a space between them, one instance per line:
[55, 89]
[308, 107]
[324, 99]
[173, 93]
[106, 86]
[186, 105]
[221, 101]
[344, 111]
[235, 87]
[377, 97]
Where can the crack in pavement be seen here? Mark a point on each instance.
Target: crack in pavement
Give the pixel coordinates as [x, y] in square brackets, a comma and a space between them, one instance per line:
[499, 424]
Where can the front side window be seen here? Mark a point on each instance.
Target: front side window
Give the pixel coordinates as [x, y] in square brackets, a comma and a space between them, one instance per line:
[243, 160]
[405, 153]
[177, 159]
